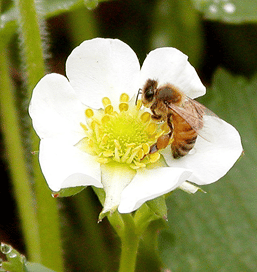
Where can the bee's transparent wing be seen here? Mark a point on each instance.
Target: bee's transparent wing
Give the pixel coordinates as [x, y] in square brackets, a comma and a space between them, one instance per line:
[197, 116]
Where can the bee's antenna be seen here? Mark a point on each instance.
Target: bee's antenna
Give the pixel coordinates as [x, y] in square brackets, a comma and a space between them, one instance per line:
[138, 93]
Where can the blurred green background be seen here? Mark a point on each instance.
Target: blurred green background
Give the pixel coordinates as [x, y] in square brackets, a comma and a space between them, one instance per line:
[216, 231]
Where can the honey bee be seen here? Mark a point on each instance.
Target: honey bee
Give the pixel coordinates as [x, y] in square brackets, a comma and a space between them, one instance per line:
[184, 116]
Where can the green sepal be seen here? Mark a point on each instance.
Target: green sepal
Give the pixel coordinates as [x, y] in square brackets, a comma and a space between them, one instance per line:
[68, 191]
[143, 217]
[158, 206]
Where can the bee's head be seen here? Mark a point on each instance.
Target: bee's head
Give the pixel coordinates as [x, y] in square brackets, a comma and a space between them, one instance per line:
[148, 92]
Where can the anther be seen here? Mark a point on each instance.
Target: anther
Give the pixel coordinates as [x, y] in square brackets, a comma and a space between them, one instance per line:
[126, 155]
[146, 148]
[117, 144]
[108, 153]
[141, 154]
[84, 126]
[89, 113]
[105, 119]
[154, 157]
[145, 117]
[134, 153]
[123, 106]
[116, 154]
[124, 97]
[108, 109]
[104, 140]
[102, 160]
[106, 101]
[151, 128]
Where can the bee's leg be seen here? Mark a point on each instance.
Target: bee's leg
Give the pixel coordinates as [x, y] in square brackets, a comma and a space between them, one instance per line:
[163, 140]
[169, 122]
[161, 143]
[155, 116]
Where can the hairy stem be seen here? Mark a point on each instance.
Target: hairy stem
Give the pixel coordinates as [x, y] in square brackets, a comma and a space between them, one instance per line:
[33, 57]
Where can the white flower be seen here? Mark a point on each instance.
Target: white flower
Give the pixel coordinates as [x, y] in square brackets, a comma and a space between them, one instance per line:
[91, 134]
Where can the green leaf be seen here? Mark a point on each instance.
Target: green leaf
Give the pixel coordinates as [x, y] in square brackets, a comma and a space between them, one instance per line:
[216, 231]
[236, 11]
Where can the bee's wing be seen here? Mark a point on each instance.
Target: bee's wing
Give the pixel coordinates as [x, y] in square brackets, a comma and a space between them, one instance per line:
[196, 115]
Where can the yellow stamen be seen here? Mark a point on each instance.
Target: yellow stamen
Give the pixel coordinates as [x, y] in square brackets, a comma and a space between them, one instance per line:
[105, 119]
[151, 129]
[123, 106]
[106, 101]
[134, 153]
[104, 140]
[116, 154]
[108, 109]
[146, 148]
[141, 154]
[84, 126]
[123, 135]
[108, 153]
[139, 104]
[145, 117]
[154, 157]
[124, 97]
[103, 160]
[117, 144]
[89, 113]
[125, 156]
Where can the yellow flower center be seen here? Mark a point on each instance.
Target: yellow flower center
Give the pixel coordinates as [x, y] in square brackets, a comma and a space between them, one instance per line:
[124, 136]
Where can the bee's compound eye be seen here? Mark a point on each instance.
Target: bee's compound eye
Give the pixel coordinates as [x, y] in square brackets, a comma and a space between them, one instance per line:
[149, 94]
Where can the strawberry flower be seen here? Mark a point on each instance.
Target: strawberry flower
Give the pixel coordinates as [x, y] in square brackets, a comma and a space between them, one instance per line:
[93, 134]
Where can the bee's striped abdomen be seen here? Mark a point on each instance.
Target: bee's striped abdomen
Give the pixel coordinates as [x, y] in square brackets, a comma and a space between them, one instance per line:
[184, 137]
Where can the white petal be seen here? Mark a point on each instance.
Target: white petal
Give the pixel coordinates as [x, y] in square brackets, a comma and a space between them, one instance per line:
[149, 184]
[64, 165]
[102, 67]
[209, 161]
[55, 109]
[115, 177]
[169, 65]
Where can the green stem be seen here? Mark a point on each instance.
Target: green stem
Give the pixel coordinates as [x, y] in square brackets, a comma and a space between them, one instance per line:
[31, 42]
[17, 162]
[129, 245]
[47, 212]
